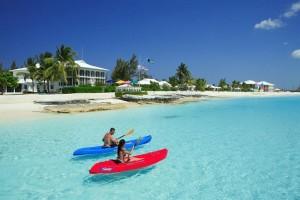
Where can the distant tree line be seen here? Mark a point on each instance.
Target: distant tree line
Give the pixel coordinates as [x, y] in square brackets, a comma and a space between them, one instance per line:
[47, 67]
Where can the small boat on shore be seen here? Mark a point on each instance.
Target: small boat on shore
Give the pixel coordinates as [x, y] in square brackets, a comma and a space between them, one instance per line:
[135, 163]
[97, 150]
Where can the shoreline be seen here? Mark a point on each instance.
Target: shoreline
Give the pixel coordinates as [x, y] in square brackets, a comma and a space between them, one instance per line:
[37, 106]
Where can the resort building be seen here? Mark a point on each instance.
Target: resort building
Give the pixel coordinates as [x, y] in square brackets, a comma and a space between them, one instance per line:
[148, 81]
[87, 75]
[212, 87]
[262, 86]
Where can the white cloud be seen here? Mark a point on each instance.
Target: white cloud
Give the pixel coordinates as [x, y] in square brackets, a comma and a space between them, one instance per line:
[294, 9]
[269, 24]
[296, 54]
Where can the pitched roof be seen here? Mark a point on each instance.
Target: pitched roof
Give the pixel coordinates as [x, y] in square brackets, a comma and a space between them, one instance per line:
[83, 64]
[250, 82]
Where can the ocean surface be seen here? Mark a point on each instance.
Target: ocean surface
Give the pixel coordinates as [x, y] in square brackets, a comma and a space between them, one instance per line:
[246, 148]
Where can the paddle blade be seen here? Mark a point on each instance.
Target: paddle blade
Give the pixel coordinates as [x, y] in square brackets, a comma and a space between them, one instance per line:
[130, 132]
[138, 141]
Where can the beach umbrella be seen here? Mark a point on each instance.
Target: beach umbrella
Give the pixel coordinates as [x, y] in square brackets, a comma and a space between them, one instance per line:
[134, 82]
[120, 82]
[127, 82]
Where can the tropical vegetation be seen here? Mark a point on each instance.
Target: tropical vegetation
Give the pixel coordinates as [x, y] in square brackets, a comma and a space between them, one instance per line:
[47, 68]
[152, 87]
[61, 67]
[223, 85]
[200, 84]
[7, 80]
[125, 70]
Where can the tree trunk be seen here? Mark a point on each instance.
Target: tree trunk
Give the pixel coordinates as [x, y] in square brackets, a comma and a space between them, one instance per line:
[48, 86]
[32, 86]
[44, 86]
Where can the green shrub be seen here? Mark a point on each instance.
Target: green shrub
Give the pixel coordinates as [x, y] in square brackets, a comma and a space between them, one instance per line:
[88, 89]
[165, 87]
[68, 90]
[109, 88]
[152, 87]
[118, 94]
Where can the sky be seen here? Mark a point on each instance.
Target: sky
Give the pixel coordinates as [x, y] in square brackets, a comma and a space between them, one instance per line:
[230, 39]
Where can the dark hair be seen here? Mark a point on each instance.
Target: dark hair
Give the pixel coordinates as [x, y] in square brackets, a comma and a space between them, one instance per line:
[112, 129]
[120, 145]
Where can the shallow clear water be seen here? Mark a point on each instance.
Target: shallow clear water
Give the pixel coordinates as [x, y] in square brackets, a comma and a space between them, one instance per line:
[222, 149]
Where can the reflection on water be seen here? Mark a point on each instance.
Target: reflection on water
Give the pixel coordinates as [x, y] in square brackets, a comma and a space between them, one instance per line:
[111, 178]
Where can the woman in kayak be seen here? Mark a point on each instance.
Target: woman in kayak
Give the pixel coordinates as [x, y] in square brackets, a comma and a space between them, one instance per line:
[123, 155]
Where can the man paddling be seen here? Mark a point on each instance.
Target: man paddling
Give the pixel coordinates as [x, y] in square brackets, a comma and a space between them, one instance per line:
[109, 140]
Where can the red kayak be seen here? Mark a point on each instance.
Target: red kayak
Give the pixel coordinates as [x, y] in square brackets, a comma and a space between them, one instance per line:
[136, 162]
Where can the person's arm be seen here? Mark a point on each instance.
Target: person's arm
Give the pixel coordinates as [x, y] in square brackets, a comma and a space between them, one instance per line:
[114, 139]
[127, 152]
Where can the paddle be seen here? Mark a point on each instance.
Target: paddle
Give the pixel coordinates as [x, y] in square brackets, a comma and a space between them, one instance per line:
[130, 132]
[135, 144]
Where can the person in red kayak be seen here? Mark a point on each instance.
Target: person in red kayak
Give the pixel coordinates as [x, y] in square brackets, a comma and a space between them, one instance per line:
[123, 155]
[109, 140]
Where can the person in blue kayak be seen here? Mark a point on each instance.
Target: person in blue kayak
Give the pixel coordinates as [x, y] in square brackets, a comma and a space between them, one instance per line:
[109, 140]
[123, 155]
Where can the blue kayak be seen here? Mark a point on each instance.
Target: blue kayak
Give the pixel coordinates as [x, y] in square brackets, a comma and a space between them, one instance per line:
[107, 150]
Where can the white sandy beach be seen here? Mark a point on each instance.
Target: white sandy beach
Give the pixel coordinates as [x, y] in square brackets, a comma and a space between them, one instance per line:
[22, 107]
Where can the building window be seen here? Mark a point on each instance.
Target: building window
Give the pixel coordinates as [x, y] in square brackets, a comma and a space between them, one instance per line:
[81, 81]
[102, 75]
[87, 73]
[97, 74]
[81, 72]
[92, 74]
[51, 87]
[69, 81]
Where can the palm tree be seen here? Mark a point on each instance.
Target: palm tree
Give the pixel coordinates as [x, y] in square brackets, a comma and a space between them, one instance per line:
[223, 84]
[46, 61]
[32, 69]
[235, 84]
[200, 84]
[183, 74]
[65, 59]
[56, 72]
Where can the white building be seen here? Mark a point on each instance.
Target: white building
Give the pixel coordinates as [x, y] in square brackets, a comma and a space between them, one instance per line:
[164, 83]
[88, 75]
[262, 86]
[147, 81]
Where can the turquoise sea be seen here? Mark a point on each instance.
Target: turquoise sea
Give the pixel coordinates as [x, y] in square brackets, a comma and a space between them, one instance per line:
[246, 148]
